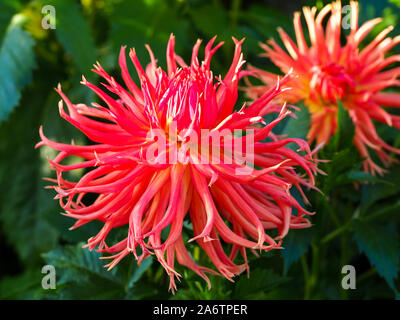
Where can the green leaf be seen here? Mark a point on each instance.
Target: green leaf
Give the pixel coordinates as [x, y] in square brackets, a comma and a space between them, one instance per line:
[357, 176]
[381, 246]
[341, 168]
[80, 274]
[139, 271]
[197, 289]
[62, 224]
[73, 32]
[7, 9]
[23, 199]
[260, 281]
[298, 126]
[374, 192]
[17, 61]
[26, 286]
[295, 244]
[57, 129]
[138, 22]
[362, 176]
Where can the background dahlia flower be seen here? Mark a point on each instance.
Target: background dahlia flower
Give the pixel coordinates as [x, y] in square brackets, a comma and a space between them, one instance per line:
[354, 73]
[228, 210]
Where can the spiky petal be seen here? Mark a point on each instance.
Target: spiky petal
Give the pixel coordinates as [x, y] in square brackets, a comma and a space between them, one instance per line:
[149, 189]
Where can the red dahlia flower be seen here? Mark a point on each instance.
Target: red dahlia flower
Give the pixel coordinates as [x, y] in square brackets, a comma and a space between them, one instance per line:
[328, 71]
[149, 177]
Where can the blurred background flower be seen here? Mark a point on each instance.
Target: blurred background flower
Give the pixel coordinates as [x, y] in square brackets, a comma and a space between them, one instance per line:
[329, 73]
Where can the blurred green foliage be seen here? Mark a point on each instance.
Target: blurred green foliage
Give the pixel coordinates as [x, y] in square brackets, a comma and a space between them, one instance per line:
[357, 223]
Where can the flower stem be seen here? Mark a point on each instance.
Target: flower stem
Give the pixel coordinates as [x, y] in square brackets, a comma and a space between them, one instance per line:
[236, 4]
[335, 233]
[344, 294]
[306, 273]
[371, 217]
[382, 212]
[367, 274]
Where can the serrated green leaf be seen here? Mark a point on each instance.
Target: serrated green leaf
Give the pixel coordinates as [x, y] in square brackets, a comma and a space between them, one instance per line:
[298, 126]
[381, 246]
[261, 280]
[81, 274]
[7, 9]
[340, 166]
[17, 61]
[76, 258]
[374, 192]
